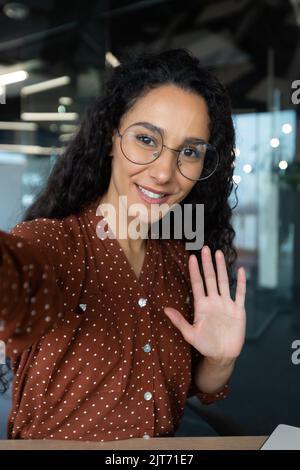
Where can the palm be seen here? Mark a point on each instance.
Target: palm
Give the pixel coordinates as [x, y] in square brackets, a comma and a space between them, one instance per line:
[218, 330]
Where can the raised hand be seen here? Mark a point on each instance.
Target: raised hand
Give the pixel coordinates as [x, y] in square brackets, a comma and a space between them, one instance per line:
[218, 330]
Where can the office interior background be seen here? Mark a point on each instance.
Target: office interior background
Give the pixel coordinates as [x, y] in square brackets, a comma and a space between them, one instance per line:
[54, 55]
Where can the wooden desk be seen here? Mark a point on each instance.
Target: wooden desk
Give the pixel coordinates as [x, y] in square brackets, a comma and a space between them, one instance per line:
[163, 443]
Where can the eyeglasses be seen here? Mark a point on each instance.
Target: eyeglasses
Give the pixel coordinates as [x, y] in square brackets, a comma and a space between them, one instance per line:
[142, 145]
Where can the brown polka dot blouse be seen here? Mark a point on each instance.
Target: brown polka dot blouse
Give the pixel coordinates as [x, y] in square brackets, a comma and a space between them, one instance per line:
[93, 354]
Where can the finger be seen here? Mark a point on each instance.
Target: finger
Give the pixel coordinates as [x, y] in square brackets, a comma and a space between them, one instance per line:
[209, 271]
[241, 287]
[223, 282]
[196, 279]
[180, 322]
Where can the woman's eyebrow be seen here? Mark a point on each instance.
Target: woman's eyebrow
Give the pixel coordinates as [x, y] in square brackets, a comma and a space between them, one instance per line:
[153, 127]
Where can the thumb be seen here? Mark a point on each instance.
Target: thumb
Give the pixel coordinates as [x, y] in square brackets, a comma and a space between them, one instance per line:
[180, 322]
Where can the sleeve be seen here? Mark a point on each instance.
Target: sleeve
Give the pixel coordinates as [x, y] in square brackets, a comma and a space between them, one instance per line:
[34, 258]
[205, 398]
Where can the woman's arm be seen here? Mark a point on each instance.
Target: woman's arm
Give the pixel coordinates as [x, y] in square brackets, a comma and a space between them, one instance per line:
[218, 330]
[209, 384]
[211, 377]
[33, 262]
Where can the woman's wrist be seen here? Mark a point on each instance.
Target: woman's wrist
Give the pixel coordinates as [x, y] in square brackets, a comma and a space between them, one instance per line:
[212, 374]
[219, 364]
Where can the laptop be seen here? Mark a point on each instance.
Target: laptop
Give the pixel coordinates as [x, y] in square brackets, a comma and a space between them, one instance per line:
[284, 437]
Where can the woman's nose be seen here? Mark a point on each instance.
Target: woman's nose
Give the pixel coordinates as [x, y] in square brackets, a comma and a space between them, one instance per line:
[165, 166]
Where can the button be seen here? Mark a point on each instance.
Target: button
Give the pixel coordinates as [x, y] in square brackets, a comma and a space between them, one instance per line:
[147, 348]
[142, 302]
[146, 436]
[148, 396]
[83, 307]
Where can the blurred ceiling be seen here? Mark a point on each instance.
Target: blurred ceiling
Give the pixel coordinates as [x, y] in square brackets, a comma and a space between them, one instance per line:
[253, 46]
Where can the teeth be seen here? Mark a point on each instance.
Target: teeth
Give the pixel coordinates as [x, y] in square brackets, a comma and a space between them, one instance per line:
[150, 194]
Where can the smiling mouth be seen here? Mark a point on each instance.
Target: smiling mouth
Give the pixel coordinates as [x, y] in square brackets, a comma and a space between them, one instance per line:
[151, 194]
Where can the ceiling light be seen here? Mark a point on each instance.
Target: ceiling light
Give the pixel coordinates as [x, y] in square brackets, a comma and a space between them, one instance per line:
[274, 142]
[18, 126]
[247, 168]
[286, 128]
[16, 10]
[49, 116]
[13, 77]
[64, 128]
[111, 59]
[65, 100]
[46, 85]
[283, 165]
[30, 149]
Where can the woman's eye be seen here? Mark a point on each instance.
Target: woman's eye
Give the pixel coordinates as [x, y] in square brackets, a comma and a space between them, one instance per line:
[145, 139]
[190, 152]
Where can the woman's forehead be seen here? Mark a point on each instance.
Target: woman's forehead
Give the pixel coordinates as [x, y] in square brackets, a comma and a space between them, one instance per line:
[170, 108]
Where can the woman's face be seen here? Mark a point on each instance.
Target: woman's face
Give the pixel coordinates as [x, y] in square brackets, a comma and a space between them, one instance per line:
[180, 115]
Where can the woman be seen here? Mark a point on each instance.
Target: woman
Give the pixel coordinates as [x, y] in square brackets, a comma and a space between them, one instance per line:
[108, 336]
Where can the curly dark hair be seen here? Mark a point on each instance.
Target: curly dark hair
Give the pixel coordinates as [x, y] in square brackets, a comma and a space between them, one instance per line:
[82, 173]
